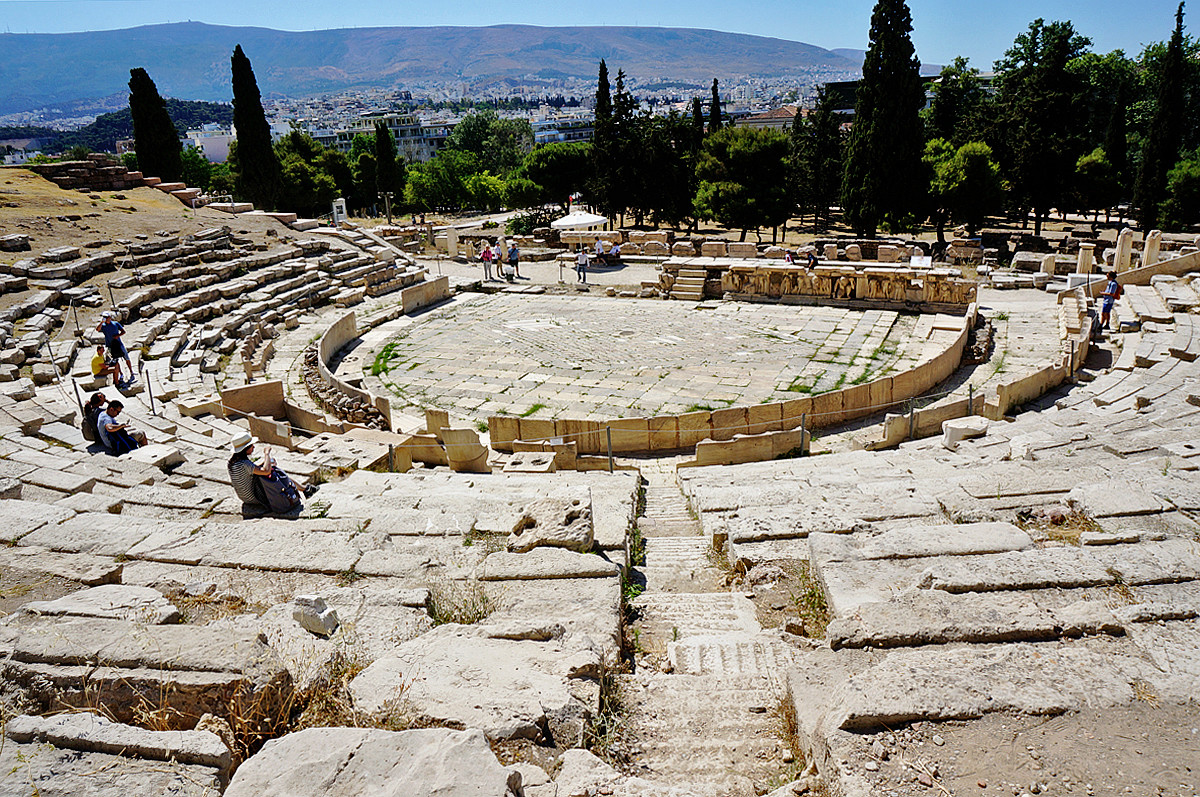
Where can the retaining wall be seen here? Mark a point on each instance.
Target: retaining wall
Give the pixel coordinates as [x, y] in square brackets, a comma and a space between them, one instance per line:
[675, 432]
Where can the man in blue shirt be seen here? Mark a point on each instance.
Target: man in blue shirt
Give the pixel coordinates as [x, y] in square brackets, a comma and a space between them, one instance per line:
[112, 330]
[1112, 292]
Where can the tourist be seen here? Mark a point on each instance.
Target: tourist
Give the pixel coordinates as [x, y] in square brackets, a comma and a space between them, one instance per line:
[514, 259]
[811, 259]
[600, 252]
[787, 256]
[112, 330]
[262, 486]
[1112, 292]
[614, 253]
[91, 416]
[581, 265]
[103, 365]
[486, 257]
[118, 437]
[497, 253]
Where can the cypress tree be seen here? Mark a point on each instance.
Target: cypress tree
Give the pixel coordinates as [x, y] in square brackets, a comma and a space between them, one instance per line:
[714, 110]
[1116, 142]
[1166, 132]
[259, 177]
[603, 144]
[388, 169]
[697, 124]
[155, 138]
[884, 178]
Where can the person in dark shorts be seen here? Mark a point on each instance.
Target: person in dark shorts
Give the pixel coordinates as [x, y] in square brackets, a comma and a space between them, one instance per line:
[112, 330]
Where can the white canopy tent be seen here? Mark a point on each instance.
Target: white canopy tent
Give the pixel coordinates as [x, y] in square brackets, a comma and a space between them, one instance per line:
[579, 220]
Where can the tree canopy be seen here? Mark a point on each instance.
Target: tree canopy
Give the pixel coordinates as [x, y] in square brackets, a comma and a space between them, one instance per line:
[156, 140]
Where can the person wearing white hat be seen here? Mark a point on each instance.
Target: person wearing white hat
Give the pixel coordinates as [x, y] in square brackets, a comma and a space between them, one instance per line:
[112, 330]
[262, 486]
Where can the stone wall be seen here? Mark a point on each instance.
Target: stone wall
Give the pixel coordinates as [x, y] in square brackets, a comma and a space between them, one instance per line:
[675, 432]
[340, 333]
[97, 173]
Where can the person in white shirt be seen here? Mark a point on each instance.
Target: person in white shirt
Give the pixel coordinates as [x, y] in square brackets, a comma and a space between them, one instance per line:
[600, 252]
[581, 265]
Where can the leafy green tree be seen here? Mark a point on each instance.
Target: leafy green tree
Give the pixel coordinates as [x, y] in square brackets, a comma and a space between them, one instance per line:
[154, 135]
[1181, 208]
[1042, 136]
[521, 192]
[816, 159]
[660, 169]
[965, 184]
[306, 187]
[195, 170]
[500, 144]
[1166, 131]
[741, 175]
[441, 183]
[1097, 184]
[485, 191]
[955, 114]
[559, 169]
[259, 176]
[1104, 104]
[363, 170]
[714, 109]
[884, 176]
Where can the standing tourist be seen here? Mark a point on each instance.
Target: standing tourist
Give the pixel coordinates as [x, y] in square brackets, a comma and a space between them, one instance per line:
[581, 265]
[1112, 292]
[112, 330]
[514, 259]
[486, 257]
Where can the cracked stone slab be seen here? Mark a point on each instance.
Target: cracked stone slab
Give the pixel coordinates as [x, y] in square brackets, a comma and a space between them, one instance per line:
[53, 772]
[418, 763]
[110, 602]
[19, 518]
[89, 570]
[754, 524]
[103, 534]
[263, 545]
[909, 542]
[94, 733]
[1116, 498]
[545, 563]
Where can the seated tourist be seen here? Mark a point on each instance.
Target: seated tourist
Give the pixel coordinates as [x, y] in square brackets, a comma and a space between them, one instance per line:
[600, 252]
[262, 486]
[614, 253]
[118, 437]
[91, 416]
[103, 365]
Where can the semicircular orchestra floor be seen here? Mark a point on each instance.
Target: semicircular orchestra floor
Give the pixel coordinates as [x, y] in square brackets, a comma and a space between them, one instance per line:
[585, 357]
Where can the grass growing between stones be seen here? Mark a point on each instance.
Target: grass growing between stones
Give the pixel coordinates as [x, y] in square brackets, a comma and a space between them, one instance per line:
[604, 734]
[1058, 527]
[808, 598]
[463, 602]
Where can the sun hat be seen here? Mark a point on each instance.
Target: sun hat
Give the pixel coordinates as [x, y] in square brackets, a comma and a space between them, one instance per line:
[107, 314]
[241, 441]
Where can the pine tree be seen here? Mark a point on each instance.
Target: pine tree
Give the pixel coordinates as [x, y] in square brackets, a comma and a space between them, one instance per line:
[697, 123]
[816, 159]
[603, 95]
[1116, 136]
[884, 178]
[1166, 132]
[159, 152]
[714, 110]
[259, 177]
[1037, 101]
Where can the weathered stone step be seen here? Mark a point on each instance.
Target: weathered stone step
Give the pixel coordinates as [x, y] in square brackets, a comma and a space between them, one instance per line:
[723, 655]
[697, 614]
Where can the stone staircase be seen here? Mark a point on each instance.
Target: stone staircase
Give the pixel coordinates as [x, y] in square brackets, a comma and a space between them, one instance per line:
[708, 720]
[689, 285]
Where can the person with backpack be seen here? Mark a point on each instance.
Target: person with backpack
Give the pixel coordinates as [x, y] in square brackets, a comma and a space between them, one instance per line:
[262, 486]
[514, 259]
[1112, 292]
[91, 416]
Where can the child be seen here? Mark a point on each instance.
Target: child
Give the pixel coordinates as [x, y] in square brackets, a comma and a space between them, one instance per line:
[1112, 292]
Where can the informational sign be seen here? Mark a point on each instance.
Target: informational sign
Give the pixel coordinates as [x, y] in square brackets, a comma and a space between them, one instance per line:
[921, 261]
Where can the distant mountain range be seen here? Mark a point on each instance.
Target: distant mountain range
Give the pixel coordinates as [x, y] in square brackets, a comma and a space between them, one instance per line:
[191, 60]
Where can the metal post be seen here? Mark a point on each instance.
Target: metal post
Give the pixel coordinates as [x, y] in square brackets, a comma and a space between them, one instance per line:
[970, 399]
[75, 310]
[149, 390]
[111, 298]
[803, 430]
[608, 431]
[391, 458]
[78, 400]
[912, 418]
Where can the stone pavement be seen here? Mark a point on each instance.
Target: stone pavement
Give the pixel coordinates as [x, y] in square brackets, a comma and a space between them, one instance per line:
[548, 356]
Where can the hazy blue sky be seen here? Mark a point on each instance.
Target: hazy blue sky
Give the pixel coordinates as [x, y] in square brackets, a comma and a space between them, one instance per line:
[943, 28]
